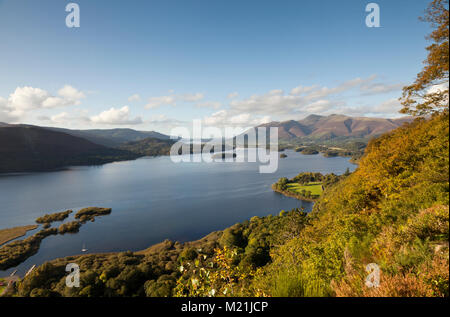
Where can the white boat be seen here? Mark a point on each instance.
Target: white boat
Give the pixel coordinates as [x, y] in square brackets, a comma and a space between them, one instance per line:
[31, 269]
[84, 248]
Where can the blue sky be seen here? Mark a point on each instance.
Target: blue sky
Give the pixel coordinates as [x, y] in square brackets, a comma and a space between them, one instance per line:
[226, 62]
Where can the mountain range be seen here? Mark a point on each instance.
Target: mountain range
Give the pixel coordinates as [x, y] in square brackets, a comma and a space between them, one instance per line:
[105, 137]
[25, 148]
[333, 126]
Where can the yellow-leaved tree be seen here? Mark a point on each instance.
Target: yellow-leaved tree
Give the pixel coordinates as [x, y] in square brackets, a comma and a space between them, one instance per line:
[429, 93]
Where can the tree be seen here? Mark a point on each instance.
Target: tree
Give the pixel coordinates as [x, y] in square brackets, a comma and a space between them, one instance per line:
[188, 255]
[429, 93]
[347, 172]
[282, 183]
[232, 237]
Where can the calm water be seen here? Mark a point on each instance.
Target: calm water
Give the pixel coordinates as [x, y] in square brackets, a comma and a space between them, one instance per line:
[152, 199]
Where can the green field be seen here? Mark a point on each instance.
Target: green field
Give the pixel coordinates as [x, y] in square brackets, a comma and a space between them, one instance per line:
[314, 187]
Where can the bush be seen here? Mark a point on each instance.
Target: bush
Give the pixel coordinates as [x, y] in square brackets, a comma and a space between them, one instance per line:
[70, 227]
[188, 255]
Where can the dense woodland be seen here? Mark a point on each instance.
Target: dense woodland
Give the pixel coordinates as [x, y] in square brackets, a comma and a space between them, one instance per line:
[149, 146]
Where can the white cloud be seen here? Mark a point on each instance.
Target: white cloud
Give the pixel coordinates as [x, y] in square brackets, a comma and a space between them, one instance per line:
[438, 88]
[380, 88]
[215, 118]
[26, 99]
[276, 92]
[192, 97]
[65, 118]
[6, 115]
[273, 102]
[232, 95]
[3, 102]
[29, 98]
[240, 119]
[302, 89]
[60, 118]
[157, 119]
[318, 106]
[441, 89]
[209, 104]
[322, 92]
[391, 106]
[303, 100]
[70, 93]
[171, 99]
[307, 99]
[115, 116]
[134, 97]
[155, 102]
[224, 118]
[278, 103]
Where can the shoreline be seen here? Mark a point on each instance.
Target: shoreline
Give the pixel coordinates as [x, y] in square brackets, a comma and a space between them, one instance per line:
[12, 254]
[292, 195]
[13, 233]
[139, 156]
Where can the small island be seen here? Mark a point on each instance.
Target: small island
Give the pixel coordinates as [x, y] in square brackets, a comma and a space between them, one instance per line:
[89, 213]
[70, 227]
[223, 155]
[309, 151]
[57, 216]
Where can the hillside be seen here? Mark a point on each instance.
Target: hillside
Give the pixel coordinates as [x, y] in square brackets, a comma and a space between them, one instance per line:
[105, 137]
[113, 137]
[334, 126]
[392, 211]
[24, 149]
[149, 146]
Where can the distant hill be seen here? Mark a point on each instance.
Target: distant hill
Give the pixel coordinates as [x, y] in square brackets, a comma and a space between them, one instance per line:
[28, 148]
[105, 137]
[334, 126]
[149, 146]
[113, 137]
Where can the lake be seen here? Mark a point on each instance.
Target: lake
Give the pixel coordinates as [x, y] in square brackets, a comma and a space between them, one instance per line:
[152, 199]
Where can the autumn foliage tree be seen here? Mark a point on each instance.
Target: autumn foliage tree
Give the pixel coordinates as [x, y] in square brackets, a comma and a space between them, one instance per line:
[429, 93]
